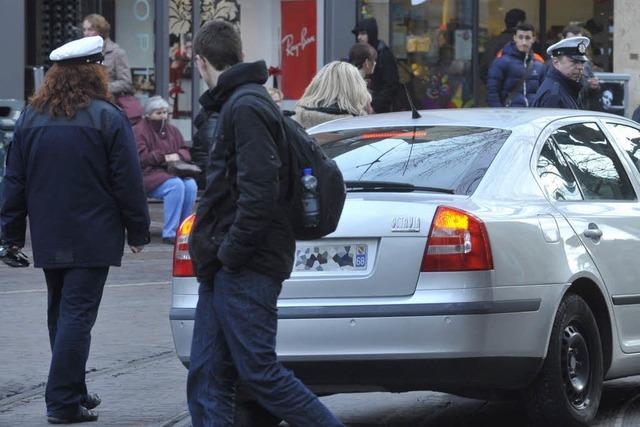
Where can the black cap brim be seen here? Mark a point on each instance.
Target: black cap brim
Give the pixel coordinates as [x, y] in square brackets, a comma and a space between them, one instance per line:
[581, 58]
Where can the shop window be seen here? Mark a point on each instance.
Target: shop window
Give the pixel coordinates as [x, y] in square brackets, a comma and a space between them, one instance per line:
[433, 44]
[595, 17]
[181, 47]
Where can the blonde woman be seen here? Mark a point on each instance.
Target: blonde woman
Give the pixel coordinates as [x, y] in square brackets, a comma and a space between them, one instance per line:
[337, 90]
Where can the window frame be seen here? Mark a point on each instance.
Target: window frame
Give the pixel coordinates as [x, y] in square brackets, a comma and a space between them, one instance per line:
[632, 174]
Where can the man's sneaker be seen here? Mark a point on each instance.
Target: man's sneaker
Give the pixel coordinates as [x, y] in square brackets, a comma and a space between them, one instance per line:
[91, 401]
[168, 240]
[82, 416]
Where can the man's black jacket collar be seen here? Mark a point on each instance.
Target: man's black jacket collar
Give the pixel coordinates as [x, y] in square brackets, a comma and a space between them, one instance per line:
[237, 75]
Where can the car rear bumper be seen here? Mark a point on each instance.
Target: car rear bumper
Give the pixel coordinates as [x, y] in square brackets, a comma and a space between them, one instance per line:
[478, 338]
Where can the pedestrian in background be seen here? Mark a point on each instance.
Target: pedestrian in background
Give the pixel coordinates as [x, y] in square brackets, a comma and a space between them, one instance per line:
[562, 83]
[160, 145]
[590, 96]
[385, 82]
[512, 19]
[363, 57]
[72, 170]
[516, 74]
[117, 64]
[337, 90]
[242, 246]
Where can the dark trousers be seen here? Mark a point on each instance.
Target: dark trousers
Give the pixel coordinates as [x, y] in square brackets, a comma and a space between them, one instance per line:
[74, 295]
[234, 339]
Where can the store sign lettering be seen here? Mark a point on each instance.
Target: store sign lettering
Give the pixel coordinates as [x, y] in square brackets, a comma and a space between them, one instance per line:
[292, 48]
[142, 10]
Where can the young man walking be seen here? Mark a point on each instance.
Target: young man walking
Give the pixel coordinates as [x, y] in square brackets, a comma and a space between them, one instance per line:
[242, 246]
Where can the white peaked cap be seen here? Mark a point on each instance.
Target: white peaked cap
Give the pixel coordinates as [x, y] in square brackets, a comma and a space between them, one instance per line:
[85, 50]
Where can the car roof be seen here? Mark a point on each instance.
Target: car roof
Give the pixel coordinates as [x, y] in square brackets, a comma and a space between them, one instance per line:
[501, 118]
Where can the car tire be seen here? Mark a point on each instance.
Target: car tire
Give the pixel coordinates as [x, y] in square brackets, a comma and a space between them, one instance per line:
[249, 413]
[568, 387]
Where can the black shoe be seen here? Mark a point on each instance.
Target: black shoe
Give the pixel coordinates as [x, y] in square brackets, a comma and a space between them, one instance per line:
[91, 400]
[82, 416]
[168, 240]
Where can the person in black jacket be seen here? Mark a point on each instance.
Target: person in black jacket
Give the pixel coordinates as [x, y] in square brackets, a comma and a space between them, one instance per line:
[73, 170]
[562, 83]
[205, 125]
[385, 82]
[242, 245]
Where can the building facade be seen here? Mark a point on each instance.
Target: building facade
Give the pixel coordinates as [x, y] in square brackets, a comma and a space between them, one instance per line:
[439, 44]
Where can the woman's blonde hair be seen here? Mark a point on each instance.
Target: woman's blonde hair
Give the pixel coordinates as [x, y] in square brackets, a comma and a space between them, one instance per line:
[337, 84]
[99, 24]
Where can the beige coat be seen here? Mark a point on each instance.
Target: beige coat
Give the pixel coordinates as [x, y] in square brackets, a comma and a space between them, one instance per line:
[309, 118]
[115, 59]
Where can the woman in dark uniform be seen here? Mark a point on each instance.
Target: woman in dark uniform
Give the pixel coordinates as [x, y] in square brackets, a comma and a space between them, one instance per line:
[73, 169]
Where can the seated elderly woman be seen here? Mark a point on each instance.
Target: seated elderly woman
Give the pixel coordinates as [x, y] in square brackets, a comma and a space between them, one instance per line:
[337, 90]
[160, 144]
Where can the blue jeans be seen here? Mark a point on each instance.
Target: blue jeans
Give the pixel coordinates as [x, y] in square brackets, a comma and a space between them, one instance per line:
[74, 296]
[234, 339]
[179, 197]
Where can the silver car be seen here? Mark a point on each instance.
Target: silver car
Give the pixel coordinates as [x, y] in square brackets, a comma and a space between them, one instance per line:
[480, 251]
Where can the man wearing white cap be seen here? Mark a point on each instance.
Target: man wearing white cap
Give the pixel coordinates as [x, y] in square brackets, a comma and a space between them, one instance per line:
[562, 84]
[73, 170]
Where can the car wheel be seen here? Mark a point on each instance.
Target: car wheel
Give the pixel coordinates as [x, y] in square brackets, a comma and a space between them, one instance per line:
[250, 413]
[568, 388]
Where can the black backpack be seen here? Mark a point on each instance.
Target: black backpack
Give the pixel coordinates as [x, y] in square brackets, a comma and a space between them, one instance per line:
[305, 152]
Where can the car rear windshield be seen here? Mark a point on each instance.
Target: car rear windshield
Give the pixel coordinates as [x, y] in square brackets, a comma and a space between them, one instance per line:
[447, 157]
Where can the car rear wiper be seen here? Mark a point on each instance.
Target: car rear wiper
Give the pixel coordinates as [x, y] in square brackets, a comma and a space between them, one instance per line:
[382, 186]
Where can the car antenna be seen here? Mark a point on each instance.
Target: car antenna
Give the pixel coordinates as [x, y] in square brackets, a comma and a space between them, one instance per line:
[414, 111]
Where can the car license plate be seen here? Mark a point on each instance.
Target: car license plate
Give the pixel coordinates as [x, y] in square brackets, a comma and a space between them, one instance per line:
[331, 257]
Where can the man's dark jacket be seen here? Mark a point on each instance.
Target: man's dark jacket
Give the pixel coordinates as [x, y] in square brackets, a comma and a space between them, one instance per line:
[242, 219]
[557, 91]
[205, 125]
[507, 72]
[79, 181]
[385, 82]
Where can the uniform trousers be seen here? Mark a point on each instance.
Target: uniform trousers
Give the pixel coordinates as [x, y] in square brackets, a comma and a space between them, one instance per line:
[74, 295]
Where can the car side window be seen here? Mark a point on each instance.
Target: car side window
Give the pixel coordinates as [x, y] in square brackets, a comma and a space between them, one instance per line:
[594, 162]
[555, 175]
[629, 140]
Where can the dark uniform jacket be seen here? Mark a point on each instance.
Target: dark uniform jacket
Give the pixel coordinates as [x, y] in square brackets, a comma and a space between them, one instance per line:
[385, 82]
[80, 183]
[242, 219]
[506, 77]
[557, 91]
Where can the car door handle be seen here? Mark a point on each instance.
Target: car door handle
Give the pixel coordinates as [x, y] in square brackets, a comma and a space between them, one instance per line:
[593, 232]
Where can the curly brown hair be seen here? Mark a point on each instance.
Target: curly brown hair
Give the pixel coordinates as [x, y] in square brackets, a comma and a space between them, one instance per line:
[67, 88]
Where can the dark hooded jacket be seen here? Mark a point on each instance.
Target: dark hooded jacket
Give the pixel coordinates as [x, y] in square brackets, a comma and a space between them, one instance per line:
[205, 125]
[385, 82]
[242, 219]
[557, 91]
[506, 84]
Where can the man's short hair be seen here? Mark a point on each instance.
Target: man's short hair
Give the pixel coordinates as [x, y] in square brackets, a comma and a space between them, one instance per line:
[513, 17]
[219, 43]
[525, 26]
[360, 52]
[573, 29]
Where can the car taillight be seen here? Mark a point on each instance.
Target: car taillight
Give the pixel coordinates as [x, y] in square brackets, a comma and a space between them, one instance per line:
[182, 265]
[458, 241]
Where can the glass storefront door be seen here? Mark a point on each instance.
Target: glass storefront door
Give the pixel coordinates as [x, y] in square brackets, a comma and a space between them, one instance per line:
[433, 43]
